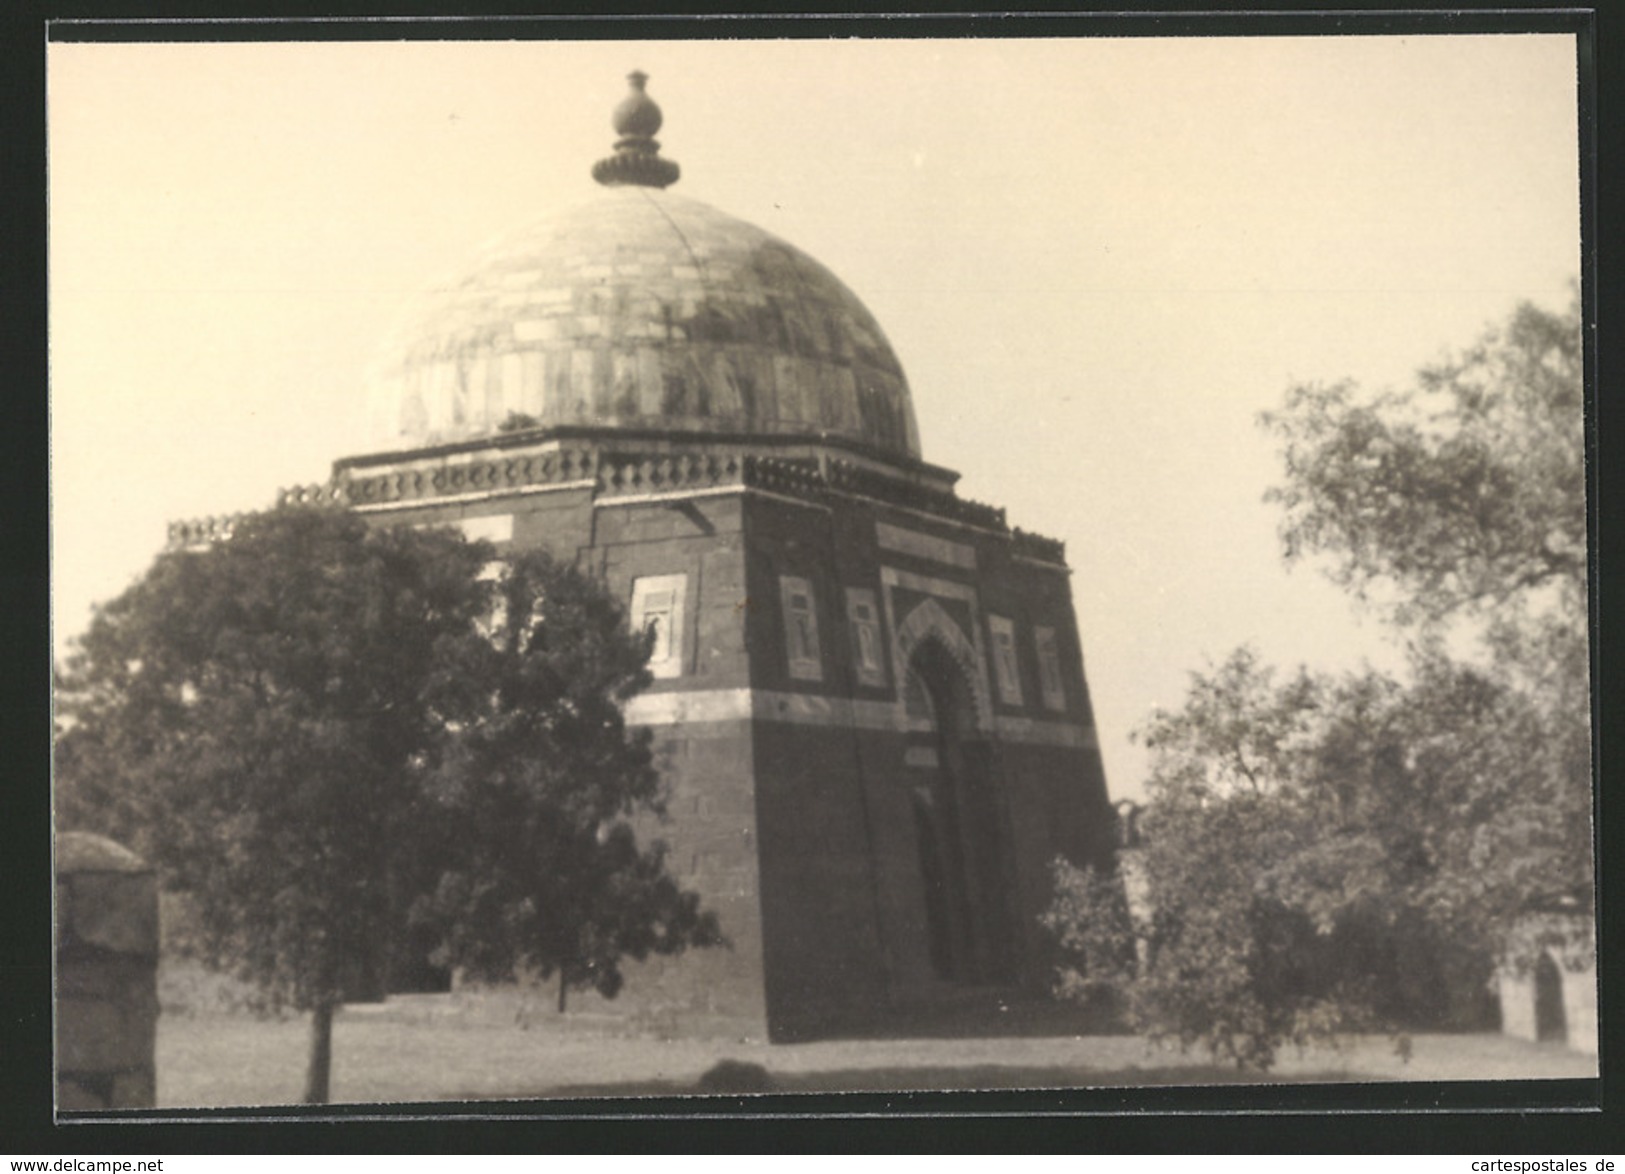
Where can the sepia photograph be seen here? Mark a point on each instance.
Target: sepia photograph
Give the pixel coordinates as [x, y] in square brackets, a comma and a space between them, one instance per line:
[716, 568]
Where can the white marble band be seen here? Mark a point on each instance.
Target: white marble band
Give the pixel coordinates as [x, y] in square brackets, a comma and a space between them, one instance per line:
[731, 705]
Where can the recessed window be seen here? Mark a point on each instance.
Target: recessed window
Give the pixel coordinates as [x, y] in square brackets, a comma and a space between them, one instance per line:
[657, 606]
[1049, 668]
[863, 617]
[800, 628]
[1004, 659]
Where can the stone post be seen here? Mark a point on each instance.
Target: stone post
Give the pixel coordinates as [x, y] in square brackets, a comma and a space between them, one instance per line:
[1580, 1007]
[1131, 870]
[1517, 993]
[106, 975]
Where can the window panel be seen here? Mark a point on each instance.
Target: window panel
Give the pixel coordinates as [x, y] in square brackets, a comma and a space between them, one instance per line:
[800, 628]
[1005, 669]
[657, 604]
[1049, 668]
[863, 617]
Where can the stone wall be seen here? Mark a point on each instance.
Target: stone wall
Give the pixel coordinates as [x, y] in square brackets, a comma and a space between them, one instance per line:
[1548, 982]
[793, 788]
[106, 975]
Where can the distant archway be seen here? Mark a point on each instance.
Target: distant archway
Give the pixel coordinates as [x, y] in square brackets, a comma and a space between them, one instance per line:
[1551, 1023]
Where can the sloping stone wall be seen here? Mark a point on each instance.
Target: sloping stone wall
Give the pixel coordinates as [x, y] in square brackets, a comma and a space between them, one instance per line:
[106, 975]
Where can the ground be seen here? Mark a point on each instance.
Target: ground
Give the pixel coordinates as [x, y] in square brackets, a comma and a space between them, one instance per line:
[442, 1048]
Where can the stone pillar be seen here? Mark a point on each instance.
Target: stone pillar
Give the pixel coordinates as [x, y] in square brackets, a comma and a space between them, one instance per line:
[106, 975]
[1137, 892]
[1580, 1007]
[1517, 1003]
[1132, 872]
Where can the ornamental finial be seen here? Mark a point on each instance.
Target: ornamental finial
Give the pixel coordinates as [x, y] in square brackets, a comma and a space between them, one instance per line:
[637, 158]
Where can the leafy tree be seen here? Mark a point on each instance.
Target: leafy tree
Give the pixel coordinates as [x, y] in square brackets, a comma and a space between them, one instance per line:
[1314, 843]
[1460, 500]
[291, 724]
[1461, 505]
[540, 870]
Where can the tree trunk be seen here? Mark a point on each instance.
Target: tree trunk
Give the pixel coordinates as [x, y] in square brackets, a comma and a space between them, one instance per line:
[319, 1071]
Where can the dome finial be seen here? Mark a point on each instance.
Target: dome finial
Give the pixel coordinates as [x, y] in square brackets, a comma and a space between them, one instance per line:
[637, 158]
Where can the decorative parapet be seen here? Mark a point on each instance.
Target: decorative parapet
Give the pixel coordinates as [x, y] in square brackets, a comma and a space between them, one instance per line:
[333, 493]
[612, 474]
[793, 478]
[559, 467]
[202, 531]
[1035, 546]
[622, 475]
[849, 478]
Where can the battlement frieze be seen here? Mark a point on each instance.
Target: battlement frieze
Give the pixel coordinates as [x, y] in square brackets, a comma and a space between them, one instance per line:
[487, 474]
[790, 477]
[1026, 544]
[854, 479]
[637, 474]
[331, 493]
[193, 533]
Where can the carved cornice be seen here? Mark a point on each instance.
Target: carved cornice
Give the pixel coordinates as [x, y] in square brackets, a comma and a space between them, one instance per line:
[854, 479]
[333, 493]
[428, 482]
[624, 475]
[195, 532]
[614, 472]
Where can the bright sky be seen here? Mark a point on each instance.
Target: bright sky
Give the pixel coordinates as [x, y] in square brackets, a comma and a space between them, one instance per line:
[1098, 260]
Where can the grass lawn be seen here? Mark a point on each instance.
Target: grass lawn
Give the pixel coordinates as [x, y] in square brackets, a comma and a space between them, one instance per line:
[430, 1050]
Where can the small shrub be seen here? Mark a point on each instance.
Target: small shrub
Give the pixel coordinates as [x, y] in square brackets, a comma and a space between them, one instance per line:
[736, 1076]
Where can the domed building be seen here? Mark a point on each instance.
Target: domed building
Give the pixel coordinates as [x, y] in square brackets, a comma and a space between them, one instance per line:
[646, 310]
[870, 705]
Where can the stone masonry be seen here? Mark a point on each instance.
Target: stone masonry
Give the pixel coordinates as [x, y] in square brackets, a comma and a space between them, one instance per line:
[1548, 989]
[106, 975]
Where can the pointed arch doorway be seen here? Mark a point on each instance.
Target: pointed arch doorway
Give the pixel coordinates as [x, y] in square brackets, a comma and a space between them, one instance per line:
[960, 828]
[1551, 1024]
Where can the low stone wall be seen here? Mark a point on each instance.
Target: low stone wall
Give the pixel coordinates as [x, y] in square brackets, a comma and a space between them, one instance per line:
[106, 975]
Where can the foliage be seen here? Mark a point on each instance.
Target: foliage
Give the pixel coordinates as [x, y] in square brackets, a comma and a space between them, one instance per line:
[263, 701]
[540, 870]
[1097, 933]
[320, 731]
[1462, 502]
[1466, 493]
[1315, 842]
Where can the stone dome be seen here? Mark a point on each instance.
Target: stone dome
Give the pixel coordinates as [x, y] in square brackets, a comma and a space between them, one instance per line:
[646, 311]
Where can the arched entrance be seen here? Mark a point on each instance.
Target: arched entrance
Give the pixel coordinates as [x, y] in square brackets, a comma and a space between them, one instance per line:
[1551, 1024]
[959, 824]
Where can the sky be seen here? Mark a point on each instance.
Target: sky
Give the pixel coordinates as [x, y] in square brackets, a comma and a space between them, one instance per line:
[1097, 260]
